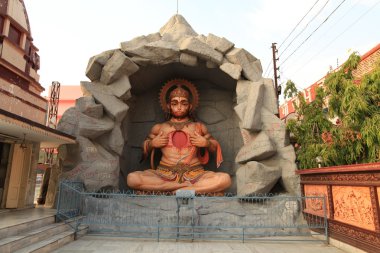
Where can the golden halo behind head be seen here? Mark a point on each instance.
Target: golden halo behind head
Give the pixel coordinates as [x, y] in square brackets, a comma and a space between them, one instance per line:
[178, 83]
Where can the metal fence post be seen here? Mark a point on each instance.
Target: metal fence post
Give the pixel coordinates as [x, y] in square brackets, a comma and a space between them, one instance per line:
[59, 199]
[325, 220]
[158, 232]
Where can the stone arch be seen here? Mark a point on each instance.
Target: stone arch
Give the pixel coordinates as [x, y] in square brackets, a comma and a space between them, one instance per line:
[237, 104]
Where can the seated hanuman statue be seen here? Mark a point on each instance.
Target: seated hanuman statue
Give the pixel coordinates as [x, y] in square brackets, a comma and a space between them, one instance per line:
[185, 145]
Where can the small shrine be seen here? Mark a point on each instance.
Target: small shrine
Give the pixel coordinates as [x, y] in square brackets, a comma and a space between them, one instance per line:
[121, 104]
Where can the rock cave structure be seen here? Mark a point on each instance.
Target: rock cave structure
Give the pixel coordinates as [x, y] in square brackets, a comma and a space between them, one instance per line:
[120, 105]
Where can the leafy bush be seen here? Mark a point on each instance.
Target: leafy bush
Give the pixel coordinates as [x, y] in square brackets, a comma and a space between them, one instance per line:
[355, 138]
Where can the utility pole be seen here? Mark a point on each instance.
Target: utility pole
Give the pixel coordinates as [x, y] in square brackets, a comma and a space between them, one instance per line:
[275, 69]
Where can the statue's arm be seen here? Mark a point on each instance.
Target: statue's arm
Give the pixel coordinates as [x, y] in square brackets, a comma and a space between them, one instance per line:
[148, 145]
[212, 143]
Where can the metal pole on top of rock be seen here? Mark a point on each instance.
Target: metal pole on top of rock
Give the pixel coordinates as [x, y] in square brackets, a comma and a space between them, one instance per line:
[177, 7]
[52, 119]
[53, 105]
[275, 69]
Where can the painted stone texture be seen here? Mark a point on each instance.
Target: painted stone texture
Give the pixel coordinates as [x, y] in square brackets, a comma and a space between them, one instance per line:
[120, 105]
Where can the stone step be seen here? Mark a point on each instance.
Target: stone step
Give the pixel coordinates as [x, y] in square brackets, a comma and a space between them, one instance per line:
[24, 227]
[50, 244]
[15, 242]
[4, 211]
[54, 242]
[82, 231]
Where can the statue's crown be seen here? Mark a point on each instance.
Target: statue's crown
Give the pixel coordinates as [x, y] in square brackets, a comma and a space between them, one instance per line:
[179, 92]
[178, 88]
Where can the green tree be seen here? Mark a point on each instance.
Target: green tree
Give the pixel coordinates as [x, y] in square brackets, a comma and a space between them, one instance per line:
[290, 89]
[308, 129]
[356, 103]
[356, 138]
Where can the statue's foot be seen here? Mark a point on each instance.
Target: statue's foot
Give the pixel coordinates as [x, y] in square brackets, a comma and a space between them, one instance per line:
[168, 193]
[182, 185]
[211, 194]
[165, 193]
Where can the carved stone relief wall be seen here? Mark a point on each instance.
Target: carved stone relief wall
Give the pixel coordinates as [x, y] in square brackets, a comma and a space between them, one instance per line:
[353, 205]
[353, 198]
[315, 205]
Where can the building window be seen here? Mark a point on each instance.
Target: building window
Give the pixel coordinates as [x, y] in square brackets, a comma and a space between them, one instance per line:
[14, 35]
[285, 109]
[1, 24]
[27, 47]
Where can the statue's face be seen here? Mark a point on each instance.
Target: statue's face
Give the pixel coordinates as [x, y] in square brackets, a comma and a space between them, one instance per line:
[180, 107]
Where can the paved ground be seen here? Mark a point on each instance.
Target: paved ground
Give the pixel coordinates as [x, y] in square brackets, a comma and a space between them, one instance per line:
[93, 244]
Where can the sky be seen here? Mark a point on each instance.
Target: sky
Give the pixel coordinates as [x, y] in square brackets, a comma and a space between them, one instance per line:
[311, 35]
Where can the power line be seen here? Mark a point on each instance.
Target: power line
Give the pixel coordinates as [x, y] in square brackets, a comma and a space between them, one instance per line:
[323, 35]
[267, 68]
[347, 28]
[320, 10]
[266, 73]
[314, 31]
[298, 24]
[286, 77]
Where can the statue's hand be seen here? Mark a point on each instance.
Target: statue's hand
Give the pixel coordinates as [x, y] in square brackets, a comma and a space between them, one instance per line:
[161, 140]
[199, 141]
